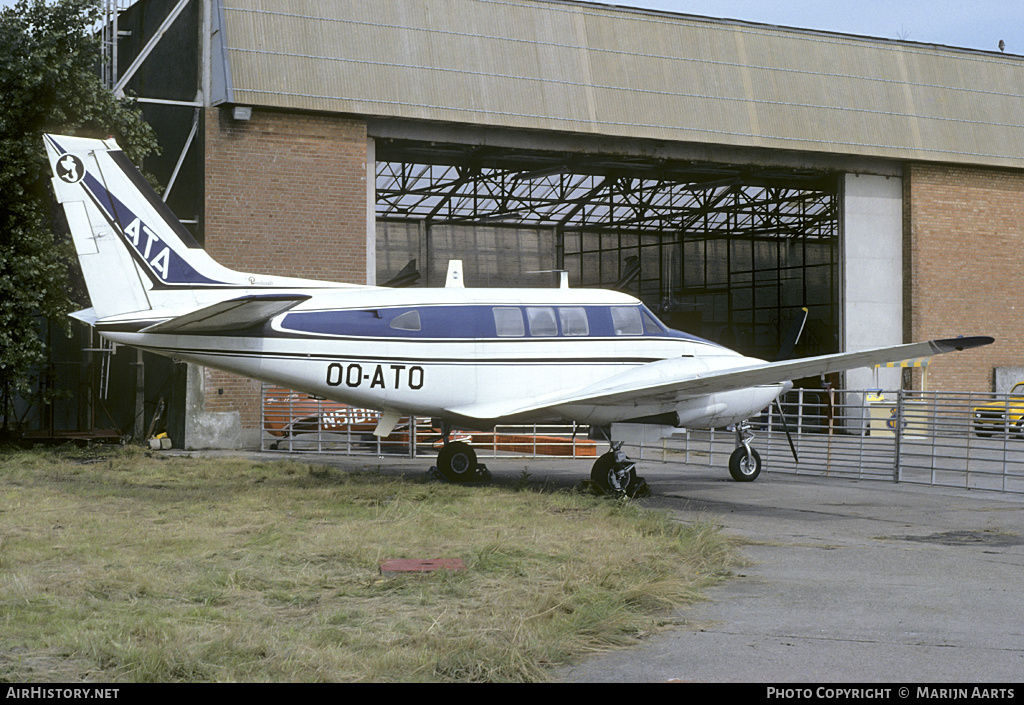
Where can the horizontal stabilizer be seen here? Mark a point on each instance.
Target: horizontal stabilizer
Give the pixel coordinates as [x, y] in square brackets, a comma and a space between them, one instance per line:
[232, 315]
[86, 315]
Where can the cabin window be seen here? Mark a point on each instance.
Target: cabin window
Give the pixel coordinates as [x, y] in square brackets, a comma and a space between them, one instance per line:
[651, 324]
[410, 320]
[627, 321]
[574, 320]
[508, 322]
[542, 320]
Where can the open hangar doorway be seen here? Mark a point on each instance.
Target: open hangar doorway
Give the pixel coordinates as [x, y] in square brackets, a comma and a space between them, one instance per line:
[728, 253]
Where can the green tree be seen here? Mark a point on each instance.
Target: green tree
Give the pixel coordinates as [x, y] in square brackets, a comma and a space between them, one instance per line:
[49, 56]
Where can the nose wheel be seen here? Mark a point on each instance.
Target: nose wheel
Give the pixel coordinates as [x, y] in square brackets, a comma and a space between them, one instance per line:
[745, 462]
[744, 467]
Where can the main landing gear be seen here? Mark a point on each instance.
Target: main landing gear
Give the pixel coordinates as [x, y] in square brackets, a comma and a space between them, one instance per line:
[456, 460]
[614, 473]
[745, 462]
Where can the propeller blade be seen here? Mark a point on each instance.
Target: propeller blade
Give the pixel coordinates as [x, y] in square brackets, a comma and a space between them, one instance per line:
[785, 427]
[792, 336]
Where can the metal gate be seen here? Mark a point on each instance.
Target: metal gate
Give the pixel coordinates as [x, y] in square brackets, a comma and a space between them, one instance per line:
[953, 439]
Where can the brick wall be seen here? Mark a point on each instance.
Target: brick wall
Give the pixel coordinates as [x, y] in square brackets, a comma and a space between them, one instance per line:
[285, 194]
[963, 256]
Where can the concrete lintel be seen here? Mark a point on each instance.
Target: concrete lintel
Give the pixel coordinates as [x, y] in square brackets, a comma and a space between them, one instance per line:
[581, 143]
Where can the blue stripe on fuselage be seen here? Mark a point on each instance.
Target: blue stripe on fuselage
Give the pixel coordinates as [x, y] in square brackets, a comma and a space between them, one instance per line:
[456, 322]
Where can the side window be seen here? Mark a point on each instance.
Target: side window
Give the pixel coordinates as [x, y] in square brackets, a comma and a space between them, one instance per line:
[574, 320]
[626, 320]
[508, 322]
[542, 320]
[651, 324]
[410, 320]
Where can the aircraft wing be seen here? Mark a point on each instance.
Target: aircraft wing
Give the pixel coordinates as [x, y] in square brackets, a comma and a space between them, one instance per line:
[236, 314]
[662, 382]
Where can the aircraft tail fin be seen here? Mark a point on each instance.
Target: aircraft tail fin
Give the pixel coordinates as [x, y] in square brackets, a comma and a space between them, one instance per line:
[114, 279]
[132, 248]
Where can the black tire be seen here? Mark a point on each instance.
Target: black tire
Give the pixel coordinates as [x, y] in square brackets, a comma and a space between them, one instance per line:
[740, 466]
[457, 462]
[604, 476]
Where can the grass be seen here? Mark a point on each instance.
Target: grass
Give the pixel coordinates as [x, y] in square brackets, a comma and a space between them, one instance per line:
[116, 565]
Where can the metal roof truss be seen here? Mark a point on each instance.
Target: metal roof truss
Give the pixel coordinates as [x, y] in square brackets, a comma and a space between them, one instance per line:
[566, 198]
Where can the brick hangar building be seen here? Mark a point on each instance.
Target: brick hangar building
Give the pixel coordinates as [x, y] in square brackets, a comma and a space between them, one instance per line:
[727, 173]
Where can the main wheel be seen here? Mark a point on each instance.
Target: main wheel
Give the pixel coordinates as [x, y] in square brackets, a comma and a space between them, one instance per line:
[457, 462]
[611, 479]
[744, 468]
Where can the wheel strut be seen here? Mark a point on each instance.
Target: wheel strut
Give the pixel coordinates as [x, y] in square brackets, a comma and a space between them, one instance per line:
[744, 437]
[745, 462]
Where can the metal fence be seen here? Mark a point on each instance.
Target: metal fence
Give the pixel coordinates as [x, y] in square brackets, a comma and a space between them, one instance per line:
[965, 440]
[295, 422]
[952, 439]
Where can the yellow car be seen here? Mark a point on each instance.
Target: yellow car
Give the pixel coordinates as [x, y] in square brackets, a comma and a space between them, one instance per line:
[1002, 417]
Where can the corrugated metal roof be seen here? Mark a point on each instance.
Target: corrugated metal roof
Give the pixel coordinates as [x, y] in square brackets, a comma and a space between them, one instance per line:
[576, 67]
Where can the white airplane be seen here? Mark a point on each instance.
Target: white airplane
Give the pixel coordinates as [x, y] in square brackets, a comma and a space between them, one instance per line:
[469, 357]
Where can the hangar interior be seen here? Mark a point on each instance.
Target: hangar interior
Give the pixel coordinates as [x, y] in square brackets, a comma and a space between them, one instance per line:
[728, 253]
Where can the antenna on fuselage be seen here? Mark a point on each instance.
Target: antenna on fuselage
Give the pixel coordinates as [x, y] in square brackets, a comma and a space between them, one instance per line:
[454, 280]
[563, 275]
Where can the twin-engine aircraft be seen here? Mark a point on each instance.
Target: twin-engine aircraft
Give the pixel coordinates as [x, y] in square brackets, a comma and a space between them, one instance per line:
[469, 357]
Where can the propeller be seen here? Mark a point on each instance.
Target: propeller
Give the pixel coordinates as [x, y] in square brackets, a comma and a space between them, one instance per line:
[785, 353]
[785, 427]
[792, 336]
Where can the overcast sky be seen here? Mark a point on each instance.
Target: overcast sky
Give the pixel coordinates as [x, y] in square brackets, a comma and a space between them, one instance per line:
[978, 24]
[973, 24]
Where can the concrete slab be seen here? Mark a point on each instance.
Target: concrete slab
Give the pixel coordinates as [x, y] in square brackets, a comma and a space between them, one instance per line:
[849, 582]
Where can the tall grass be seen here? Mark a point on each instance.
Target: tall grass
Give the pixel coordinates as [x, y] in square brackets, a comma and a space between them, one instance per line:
[118, 566]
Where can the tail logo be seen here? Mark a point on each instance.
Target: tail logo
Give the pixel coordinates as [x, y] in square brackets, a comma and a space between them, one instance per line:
[160, 263]
[70, 169]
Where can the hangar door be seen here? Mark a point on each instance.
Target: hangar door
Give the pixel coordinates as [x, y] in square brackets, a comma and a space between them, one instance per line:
[726, 253]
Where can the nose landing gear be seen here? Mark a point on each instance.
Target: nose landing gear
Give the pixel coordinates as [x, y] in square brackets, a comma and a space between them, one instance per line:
[745, 462]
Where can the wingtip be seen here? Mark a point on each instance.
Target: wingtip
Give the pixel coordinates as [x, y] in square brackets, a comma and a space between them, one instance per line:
[963, 343]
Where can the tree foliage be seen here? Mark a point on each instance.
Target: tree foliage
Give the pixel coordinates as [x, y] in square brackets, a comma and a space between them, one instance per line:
[49, 56]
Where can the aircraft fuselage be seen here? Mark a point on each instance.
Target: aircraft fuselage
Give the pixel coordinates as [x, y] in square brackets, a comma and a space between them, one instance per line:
[428, 351]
